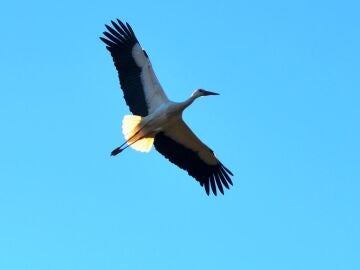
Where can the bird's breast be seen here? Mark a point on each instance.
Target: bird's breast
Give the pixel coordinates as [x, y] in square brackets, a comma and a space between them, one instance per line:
[162, 118]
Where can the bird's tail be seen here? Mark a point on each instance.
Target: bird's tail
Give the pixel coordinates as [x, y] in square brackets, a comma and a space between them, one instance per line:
[131, 129]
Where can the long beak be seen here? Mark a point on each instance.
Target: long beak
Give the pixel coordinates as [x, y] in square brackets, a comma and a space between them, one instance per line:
[208, 93]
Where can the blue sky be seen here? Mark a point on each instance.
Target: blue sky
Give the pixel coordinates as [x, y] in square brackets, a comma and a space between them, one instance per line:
[286, 123]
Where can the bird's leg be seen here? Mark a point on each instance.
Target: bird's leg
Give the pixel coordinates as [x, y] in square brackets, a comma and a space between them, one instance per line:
[119, 149]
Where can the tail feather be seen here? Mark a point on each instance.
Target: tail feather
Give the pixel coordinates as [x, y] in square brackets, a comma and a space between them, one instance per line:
[143, 145]
[130, 127]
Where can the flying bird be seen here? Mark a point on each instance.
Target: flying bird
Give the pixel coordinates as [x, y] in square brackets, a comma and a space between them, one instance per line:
[156, 120]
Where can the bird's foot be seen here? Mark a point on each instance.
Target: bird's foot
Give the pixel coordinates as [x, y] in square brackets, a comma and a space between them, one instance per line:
[116, 151]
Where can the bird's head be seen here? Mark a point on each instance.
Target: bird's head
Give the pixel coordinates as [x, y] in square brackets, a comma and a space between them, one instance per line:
[202, 92]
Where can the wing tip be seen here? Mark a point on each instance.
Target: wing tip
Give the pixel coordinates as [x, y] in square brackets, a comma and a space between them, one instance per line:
[217, 180]
[119, 34]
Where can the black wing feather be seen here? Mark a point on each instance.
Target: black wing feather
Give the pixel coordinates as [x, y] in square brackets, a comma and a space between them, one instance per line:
[207, 175]
[218, 183]
[223, 180]
[114, 33]
[212, 182]
[118, 28]
[120, 41]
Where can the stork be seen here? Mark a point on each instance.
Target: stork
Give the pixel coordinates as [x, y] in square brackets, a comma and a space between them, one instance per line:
[156, 120]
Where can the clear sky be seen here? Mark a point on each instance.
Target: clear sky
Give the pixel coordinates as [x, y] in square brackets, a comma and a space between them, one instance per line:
[286, 123]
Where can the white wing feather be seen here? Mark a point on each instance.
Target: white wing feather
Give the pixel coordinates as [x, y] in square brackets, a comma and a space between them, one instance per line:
[154, 93]
[182, 134]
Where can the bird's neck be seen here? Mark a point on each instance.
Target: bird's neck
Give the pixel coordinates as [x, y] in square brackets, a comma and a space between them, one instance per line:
[187, 103]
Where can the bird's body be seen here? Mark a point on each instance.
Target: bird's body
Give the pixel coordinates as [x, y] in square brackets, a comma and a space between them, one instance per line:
[163, 117]
[156, 119]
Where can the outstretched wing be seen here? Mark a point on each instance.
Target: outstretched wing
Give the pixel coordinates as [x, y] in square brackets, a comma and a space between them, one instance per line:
[142, 90]
[183, 148]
